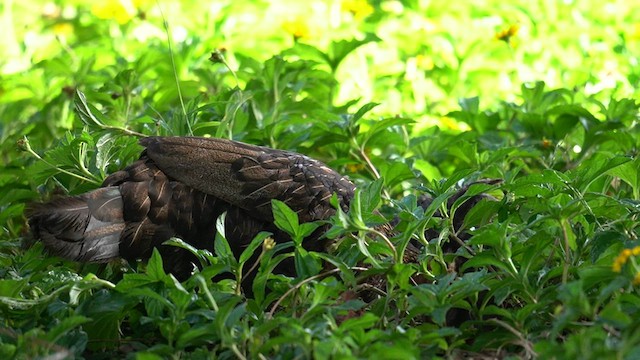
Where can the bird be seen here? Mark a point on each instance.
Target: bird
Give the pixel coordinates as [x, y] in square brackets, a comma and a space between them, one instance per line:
[179, 187]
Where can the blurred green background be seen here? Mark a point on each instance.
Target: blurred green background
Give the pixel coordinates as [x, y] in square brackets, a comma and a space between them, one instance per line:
[428, 56]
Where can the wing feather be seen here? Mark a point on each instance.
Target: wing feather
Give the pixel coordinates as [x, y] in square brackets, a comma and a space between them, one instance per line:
[249, 176]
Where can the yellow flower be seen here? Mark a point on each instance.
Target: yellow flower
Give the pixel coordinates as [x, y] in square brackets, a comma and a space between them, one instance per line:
[268, 244]
[358, 8]
[121, 11]
[62, 29]
[424, 62]
[452, 124]
[355, 167]
[297, 27]
[142, 3]
[507, 34]
[623, 257]
[636, 279]
[619, 262]
[635, 33]
[616, 267]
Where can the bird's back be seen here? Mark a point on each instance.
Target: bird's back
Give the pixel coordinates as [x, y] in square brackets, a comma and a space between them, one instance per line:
[178, 188]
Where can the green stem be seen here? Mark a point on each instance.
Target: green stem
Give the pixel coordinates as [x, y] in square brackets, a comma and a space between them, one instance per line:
[165, 23]
[91, 179]
[207, 294]
[567, 249]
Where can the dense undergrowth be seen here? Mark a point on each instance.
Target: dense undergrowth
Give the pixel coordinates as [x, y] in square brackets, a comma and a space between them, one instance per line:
[389, 98]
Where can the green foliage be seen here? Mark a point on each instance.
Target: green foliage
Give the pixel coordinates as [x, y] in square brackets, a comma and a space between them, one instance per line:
[403, 103]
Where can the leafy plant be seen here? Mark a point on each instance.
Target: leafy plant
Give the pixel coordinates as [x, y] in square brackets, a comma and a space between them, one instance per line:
[413, 101]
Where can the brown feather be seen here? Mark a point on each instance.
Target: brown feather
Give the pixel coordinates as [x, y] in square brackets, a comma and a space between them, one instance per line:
[179, 187]
[82, 228]
[249, 176]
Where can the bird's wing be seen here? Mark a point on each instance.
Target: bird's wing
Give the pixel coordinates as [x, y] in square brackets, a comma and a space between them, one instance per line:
[249, 176]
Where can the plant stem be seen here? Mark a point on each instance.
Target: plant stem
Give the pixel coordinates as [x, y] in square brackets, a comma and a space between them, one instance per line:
[91, 179]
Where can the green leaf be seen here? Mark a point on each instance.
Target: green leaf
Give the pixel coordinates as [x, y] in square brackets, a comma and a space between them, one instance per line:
[152, 299]
[603, 240]
[622, 110]
[126, 79]
[629, 172]
[155, 270]
[87, 112]
[15, 303]
[266, 270]
[481, 213]
[286, 219]
[370, 197]
[380, 128]
[310, 52]
[11, 288]
[253, 245]
[221, 245]
[339, 50]
[483, 261]
[615, 315]
[132, 281]
[363, 322]
[106, 310]
[306, 229]
[306, 264]
[199, 335]
[64, 326]
[470, 105]
[395, 172]
[570, 236]
[596, 166]
[345, 272]
[363, 110]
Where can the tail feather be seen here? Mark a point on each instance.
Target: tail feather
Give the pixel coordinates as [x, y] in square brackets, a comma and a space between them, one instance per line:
[84, 228]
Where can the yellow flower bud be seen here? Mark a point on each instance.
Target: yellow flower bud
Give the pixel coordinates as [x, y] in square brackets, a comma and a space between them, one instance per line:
[268, 244]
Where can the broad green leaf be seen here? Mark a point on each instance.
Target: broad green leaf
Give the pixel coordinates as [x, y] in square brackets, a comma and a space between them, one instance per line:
[286, 219]
[306, 229]
[629, 172]
[132, 281]
[155, 270]
[11, 288]
[306, 264]
[395, 172]
[596, 166]
[381, 127]
[370, 197]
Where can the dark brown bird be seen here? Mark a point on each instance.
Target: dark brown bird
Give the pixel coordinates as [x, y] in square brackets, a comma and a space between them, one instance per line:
[178, 188]
[181, 185]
